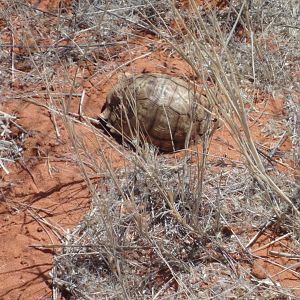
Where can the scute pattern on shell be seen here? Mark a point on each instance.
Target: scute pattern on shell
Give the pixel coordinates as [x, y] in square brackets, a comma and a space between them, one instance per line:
[161, 109]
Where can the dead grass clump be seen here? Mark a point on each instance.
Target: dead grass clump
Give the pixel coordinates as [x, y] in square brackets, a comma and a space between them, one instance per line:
[293, 125]
[116, 16]
[143, 238]
[10, 144]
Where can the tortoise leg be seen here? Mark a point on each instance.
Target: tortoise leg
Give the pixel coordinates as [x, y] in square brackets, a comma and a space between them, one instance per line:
[105, 114]
[112, 130]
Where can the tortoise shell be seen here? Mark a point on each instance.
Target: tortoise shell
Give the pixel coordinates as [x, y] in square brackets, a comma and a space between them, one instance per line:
[159, 109]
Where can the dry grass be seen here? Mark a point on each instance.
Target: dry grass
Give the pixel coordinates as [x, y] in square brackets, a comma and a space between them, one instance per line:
[10, 143]
[162, 227]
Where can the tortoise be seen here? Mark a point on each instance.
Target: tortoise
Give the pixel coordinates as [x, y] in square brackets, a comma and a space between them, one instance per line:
[160, 109]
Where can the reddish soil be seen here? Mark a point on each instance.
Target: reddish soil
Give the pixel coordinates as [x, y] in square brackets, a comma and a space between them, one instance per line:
[45, 191]
[50, 5]
[278, 270]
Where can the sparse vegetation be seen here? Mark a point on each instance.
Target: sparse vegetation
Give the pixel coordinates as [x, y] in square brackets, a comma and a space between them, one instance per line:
[181, 225]
[10, 148]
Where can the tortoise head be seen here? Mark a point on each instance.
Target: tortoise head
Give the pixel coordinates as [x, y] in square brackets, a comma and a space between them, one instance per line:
[111, 104]
[111, 111]
[105, 112]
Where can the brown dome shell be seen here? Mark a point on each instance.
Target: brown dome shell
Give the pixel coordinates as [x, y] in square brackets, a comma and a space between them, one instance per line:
[161, 109]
